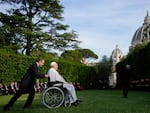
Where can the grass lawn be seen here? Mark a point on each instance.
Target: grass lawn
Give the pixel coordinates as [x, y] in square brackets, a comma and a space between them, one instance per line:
[94, 101]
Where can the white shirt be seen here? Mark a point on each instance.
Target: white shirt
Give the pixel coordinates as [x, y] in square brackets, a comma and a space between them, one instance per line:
[55, 76]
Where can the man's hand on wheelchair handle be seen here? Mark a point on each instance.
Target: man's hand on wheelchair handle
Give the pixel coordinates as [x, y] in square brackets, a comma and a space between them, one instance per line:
[46, 76]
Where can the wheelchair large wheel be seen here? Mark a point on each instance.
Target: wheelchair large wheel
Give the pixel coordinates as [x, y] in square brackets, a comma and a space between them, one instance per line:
[52, 97]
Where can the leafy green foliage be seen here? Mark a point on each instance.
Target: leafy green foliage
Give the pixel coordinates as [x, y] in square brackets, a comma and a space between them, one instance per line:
[72, 55]
[35, 24]
[78, 54]
[13, 67]
[139, 59]
[105, 68]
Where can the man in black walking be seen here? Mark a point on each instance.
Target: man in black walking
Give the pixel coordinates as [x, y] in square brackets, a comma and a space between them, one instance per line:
[27, 84]
[125, 79]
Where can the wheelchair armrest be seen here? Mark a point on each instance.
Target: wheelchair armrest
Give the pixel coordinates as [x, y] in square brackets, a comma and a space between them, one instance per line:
[56, 83]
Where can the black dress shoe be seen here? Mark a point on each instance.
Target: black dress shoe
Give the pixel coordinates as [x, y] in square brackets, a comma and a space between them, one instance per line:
[77, 102]
[6, 108]
[74, 103]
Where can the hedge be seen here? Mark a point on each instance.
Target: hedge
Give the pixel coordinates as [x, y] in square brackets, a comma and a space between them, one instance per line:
[13, 67]
[139, 59]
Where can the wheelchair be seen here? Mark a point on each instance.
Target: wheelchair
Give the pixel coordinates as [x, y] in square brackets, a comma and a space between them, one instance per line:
[55, 96]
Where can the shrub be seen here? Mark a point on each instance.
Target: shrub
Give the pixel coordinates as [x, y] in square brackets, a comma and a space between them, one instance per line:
[13, 67]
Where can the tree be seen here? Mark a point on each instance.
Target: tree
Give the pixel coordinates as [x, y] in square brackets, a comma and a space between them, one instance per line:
[79, 55]
[139, 60]
[36, 24]
[88, 55]
[104, 67]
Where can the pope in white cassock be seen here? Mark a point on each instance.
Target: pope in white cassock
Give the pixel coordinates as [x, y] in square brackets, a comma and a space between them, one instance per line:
[56, 77]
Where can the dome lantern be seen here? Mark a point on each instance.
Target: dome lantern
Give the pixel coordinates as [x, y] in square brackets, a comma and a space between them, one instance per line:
[147, 19]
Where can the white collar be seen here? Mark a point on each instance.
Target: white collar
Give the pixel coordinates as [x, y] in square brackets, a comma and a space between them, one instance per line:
[37, 64]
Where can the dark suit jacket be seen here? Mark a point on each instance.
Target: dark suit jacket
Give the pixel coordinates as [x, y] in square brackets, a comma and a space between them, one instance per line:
[28, 79]
[125, 76]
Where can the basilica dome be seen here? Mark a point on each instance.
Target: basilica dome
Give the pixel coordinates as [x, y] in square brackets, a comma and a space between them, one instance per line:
[142, 34]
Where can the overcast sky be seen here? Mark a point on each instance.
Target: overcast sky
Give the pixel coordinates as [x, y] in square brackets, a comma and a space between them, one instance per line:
[101, 24]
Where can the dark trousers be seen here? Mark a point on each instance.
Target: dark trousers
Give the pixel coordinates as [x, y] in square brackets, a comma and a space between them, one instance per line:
[29, 100]
[125, 91]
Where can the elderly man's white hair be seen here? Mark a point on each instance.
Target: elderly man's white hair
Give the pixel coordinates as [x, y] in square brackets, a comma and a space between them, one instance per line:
[53, 63]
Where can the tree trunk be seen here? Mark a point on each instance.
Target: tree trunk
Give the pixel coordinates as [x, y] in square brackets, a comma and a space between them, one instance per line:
[30, 27]
[28, 49]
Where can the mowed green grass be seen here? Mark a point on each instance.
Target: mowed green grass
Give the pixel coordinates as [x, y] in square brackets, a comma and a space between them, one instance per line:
[94, 101]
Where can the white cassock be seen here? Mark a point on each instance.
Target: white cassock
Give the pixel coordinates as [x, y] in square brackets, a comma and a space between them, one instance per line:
[55, 76]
